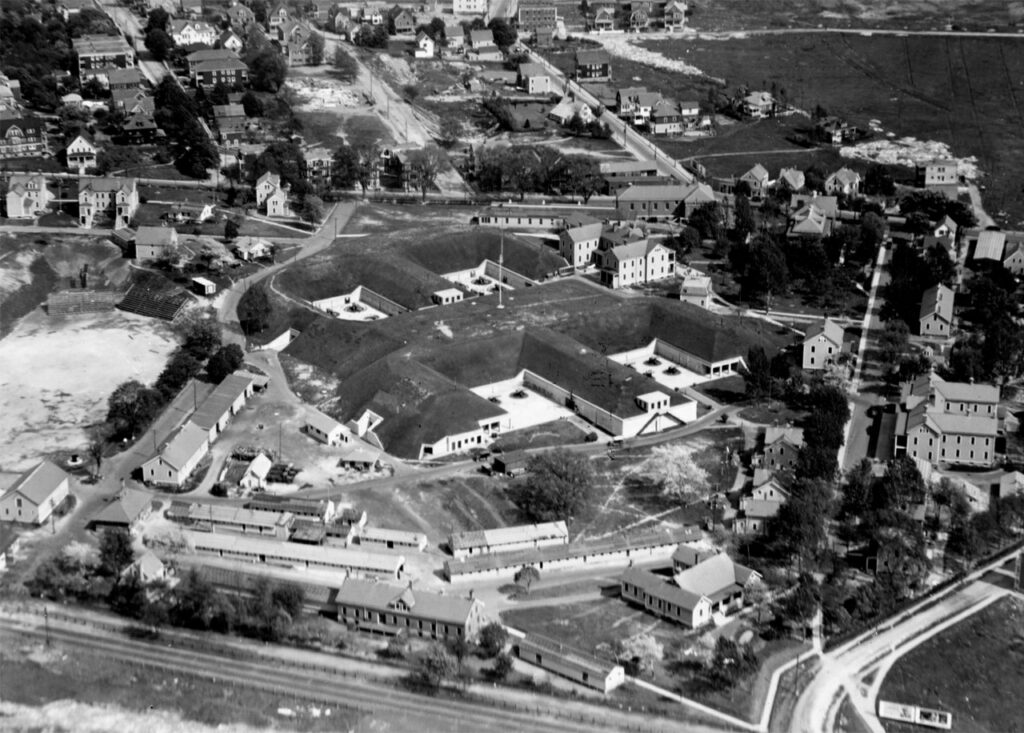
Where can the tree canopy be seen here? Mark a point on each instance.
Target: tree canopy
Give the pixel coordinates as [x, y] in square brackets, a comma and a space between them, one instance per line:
[557, 486]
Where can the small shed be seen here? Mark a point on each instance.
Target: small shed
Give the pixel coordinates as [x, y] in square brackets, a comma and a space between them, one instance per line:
[510, 464]
[202, 286]
[255, 476]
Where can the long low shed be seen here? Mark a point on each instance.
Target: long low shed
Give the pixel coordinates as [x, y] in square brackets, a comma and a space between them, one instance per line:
[620, 550]
[256, 550]
[568, 662]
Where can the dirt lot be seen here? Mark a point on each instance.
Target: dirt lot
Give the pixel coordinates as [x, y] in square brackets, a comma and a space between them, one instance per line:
[974, 670]
[58, 689]
[56, 375]
[625, 493]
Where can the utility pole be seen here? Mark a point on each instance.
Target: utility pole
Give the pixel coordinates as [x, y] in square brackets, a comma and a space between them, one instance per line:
[501, 262]
[46, 622]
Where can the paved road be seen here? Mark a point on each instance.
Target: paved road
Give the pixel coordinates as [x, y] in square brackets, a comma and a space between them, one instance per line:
[817, 706]
[740, 34]
[632, 141]
[131, 26]
[336, 220]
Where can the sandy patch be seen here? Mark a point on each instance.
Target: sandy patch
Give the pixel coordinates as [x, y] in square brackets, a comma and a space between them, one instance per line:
[56, 376]
[909, 151]
[14, 270]
[625, 46]
[318, 94]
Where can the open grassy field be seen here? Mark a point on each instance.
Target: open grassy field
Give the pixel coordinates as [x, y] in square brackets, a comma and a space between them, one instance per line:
[979, 15]
[965, 92]
[974, 670]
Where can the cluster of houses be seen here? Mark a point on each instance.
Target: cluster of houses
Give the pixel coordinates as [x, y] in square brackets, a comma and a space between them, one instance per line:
[623, 255]
[636, 15]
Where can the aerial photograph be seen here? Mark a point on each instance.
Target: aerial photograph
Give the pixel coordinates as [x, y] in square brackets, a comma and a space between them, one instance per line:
[500, 366]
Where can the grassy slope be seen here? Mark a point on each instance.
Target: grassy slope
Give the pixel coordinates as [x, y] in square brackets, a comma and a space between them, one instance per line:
[962, 91]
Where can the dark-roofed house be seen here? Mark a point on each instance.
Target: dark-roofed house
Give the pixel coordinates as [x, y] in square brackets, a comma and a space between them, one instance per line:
[823, 342]
[36, 493]
[782, 447]
[508, 539]
[21, 137]
[565, 661]
[936, 317]
[124, 511]
[661, 202]
[124, 79]
[392, 609]
[593, 65]
[152, 243]
[178, 457]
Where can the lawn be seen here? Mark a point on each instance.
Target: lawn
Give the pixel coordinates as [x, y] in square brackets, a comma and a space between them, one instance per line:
[557, 432]
[960, 91]
[974, 670]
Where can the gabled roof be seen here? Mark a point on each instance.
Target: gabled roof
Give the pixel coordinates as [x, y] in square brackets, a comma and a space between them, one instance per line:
[588, 57]
[658, 587]
[106, 184]
[124, 76]
[222, 398]
[221, 65]
[184, 444]
[793, 177]
[827, 328]
[757, 173]
[324, 423]
[938, 301]
[445, 608]
[773, 434]
[761, 508]
[990, 245]
[495, 538]
[531, 69]
[125, 509]
[845, 176]
[156, 236]
[212, 54]
[715, 577]
[259, 467]
[965, 391]
[690, 556]
[481, 37]
[584, 232]
[38, 483]
[272, 178]
[228, 110]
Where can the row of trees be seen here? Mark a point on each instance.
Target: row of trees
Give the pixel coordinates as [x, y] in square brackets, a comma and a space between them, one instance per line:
[539, 169]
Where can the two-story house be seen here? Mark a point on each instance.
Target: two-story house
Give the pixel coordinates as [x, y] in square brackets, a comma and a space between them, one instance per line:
[191, 32]
[823, 343]
[116, 198]
[635, 263]
[936, 318]
[592, 65]
[844, 182]
[781, 447]
[22, 137]
[534, 79]
[27, 196]
[81, 152]
[578, 244]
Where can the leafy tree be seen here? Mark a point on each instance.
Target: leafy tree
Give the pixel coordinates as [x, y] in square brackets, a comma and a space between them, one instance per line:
[117, 158]
[757, 375]
[798, 530]
[252, 105]
[73, 120]
[98, 437]
[426, 164]
[316, 49]
[224, 361]
[311, 208]
[639, 653]
[371, 36]
[286, 160]
[731, 663]
[558, 486]
[901, 485]
[254, 310]
[435, 666]
[199, 157]
[766, 271]
[344, 64]
[200, 333]
[743, 218]
[230, 230]
[345, 167]
[502, 666]
[182, 367]
[493, 638]
[131, 406]
[267, 71]
[708, 220]
[857, 489]
[128, 597]
[504, 34]
[687, 241]
[878, 181]
[799, 606]
[159, 43]
[675, 472]
[527, 576]
[158, 18]
[449, 130]
[116, 551]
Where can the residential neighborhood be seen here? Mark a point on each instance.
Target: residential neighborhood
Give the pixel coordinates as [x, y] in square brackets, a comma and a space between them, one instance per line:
[618, 366]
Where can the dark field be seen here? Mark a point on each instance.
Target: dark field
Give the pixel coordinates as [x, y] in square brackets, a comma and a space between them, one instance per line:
[975, 670]
[966, 92]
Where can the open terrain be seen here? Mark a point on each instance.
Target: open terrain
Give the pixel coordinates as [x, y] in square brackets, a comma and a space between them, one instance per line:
[62, 688]
[974, 670]
[965, 92]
